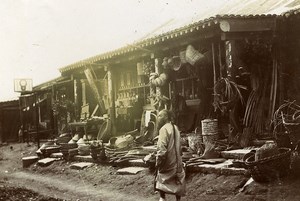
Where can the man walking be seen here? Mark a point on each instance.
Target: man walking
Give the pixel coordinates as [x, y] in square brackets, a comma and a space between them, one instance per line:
[170, 177]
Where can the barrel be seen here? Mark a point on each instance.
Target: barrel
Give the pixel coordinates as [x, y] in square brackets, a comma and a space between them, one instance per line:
[209, 130]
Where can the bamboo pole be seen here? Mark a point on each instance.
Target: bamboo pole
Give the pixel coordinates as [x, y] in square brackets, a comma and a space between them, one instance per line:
[37, 137]
[220, 59]
[214, 69]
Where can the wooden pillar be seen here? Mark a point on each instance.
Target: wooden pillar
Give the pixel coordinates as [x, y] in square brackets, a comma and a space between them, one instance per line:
[37, 136]
[83, 89]
[54, 110]
[214, 68]
[111, 100]
[153, 90]
[76, 101]
[234, 124]
[220, 59]
[21, 116]
[158, 71]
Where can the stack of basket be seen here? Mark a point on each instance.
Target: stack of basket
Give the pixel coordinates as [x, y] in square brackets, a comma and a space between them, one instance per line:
[209, 130]
[72, 152]
[95, 150]
[83, 147]
[47, 151]
[66, 147]
[269, 168]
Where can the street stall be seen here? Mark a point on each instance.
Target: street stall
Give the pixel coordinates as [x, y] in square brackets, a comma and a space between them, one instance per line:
[221, 76]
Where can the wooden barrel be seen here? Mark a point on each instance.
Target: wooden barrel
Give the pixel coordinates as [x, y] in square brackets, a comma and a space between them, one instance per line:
[209, 129]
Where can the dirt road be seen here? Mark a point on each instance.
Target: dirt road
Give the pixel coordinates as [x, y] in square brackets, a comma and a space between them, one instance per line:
[99, 182]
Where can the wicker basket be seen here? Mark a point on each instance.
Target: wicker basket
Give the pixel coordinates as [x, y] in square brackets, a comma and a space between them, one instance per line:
[192, 56]
[270, 168]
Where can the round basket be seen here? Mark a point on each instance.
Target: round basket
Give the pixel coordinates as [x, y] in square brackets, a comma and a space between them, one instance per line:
[83, 149]
[269, 168]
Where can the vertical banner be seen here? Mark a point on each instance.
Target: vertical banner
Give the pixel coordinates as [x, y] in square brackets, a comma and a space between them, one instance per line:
[89, 75]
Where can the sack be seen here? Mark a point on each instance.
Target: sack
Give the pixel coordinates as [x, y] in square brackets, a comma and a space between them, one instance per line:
[175, 185]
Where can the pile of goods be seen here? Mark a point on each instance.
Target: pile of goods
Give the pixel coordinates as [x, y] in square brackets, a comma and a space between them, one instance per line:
[286, 121]
[68, 150]
[83, 147]
[269, 162]
[123, 157]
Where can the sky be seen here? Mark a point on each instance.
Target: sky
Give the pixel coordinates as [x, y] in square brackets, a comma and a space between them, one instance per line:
[37, 37]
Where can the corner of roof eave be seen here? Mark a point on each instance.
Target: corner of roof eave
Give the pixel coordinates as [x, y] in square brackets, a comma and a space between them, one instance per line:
[102, 57]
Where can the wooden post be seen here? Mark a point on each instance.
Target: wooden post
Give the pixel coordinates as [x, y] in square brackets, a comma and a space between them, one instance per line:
[214, 69]
[21, 117]
[111, 100]
[76, 101]
[220, 60]
[235, 126]
[83, 87]
[152, 93]
[53, 98]
[157, 70]
[37, 137]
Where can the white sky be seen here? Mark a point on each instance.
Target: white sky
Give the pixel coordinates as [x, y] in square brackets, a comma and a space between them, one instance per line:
[39, 36]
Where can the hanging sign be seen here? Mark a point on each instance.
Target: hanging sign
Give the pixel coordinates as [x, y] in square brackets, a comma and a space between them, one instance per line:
[22, 85]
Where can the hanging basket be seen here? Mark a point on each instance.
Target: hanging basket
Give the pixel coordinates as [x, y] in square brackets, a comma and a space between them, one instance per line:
[192, 56]
[270, 168]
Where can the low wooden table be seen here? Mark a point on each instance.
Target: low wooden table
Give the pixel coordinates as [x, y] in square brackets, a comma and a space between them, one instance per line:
[86, 125]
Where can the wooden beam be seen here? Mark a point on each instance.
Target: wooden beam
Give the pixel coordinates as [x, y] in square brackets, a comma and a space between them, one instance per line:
[248, 24]
[242, 35]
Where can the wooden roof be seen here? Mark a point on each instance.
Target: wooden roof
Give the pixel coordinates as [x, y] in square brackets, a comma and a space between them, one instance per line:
[223, 9]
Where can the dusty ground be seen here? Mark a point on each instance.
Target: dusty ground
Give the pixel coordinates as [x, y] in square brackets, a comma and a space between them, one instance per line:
[99, 182]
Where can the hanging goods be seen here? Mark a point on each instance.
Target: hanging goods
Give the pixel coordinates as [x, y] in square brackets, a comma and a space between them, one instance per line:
[192, 56]
[175, 63]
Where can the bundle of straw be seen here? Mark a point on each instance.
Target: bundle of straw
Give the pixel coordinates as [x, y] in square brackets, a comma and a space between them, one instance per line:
[227, 93]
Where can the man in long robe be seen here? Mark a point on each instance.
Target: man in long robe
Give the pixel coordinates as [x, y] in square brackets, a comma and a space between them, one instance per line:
[170, 176]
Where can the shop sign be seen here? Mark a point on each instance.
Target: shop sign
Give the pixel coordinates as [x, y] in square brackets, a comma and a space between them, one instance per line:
[22, 85]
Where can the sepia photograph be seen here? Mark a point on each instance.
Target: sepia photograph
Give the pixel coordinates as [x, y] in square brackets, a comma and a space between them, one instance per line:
[149, 100]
